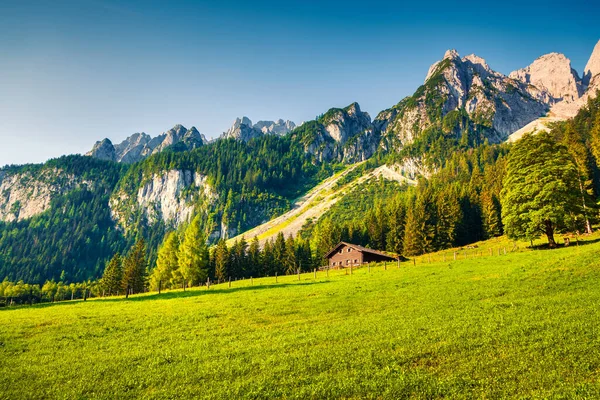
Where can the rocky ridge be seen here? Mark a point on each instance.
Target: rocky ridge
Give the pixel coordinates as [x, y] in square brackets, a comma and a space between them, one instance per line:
[141, 145]
[341, 134]
[243, 129]
[460, 93]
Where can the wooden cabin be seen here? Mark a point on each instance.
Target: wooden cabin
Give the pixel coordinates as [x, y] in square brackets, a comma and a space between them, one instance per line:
[344, 255]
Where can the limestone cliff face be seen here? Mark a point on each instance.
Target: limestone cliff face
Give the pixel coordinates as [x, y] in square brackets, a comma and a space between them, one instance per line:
[553, 75]
[140, 145]
[460, 93]
[26, 194]
[341, 134]
[592, 68]
[566, 93]
[170, 197]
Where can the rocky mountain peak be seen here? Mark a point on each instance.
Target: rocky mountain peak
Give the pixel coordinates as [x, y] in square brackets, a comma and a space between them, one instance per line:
[553, 74]
[592, 68]
[451, 55]
[103, 150]
[141, 145]
[243, 129]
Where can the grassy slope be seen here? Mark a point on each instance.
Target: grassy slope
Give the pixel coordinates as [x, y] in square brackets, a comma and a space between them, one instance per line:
[524, 324]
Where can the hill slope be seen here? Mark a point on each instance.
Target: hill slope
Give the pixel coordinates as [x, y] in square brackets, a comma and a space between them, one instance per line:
[520, 325]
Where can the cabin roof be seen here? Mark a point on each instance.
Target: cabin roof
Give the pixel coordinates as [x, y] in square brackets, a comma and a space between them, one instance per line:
[359, 248]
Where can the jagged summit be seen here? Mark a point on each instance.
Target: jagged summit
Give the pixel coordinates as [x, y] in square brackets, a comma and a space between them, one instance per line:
[592, 68]
[462, 94]
[553, 74]
[243, 129]
[141, 145]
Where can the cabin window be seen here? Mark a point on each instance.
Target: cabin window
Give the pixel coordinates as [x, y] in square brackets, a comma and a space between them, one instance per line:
[348, 249]
[347, 262]
[355, 261]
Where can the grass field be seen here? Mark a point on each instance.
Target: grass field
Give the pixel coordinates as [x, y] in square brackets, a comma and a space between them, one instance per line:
[525, 324]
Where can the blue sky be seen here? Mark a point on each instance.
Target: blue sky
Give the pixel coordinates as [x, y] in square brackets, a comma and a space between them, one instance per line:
[73, 72]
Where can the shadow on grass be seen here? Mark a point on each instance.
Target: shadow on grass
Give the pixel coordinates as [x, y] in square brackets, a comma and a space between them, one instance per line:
[178, 294]
[203, 291]
[574, 243]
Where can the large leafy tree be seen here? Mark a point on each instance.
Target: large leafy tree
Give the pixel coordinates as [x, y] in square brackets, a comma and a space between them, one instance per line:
[541, 192]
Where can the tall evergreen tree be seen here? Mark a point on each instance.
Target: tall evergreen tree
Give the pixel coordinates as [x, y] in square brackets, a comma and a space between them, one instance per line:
[221, 261]
[254, 260]
[193, 254]
[290, 262]
[135, 269]
[167, 262]
[113, 275]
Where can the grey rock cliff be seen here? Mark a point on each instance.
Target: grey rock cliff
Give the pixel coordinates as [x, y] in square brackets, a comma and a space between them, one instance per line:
[140, 145]
[552, 73]
[341, 134]
[243, 129]
[103, 150]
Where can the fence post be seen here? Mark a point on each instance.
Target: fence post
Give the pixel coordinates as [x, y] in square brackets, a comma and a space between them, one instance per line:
[398, 262]
[298, 273]
[414, 261]
[315, 272]
[350, 269]
[454, 256]
[251, 281]
[505, 251]
[369, 267]
[385, 265]
[275, 277]
[230, 282]
[328, 271]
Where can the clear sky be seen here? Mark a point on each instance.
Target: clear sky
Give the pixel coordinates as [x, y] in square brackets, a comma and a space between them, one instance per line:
[76, 71]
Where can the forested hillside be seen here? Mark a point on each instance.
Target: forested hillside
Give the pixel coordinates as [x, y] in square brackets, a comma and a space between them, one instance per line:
[100, 213]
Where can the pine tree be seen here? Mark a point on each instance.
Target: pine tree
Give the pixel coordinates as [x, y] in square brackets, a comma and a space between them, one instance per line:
[254, 261]
[541, 189]
[290, 262]
[221, 261]
[448, 216]
[113, 275]
[167, 262]
[135, 269]
[193, 254]
[491, 213]
[279, 254]
[396, 225]
[267, 259]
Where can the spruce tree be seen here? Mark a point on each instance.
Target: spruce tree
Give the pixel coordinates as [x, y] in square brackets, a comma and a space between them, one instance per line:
[193, 254]
[290, 262]
[113, 275]
[167, 262]
[221, 261]
[135, 269]
[254, 262]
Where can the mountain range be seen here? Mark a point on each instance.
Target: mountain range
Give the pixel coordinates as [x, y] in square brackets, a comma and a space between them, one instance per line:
[253, 172]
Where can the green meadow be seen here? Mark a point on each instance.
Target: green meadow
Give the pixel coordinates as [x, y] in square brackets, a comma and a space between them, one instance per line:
[525, 324]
